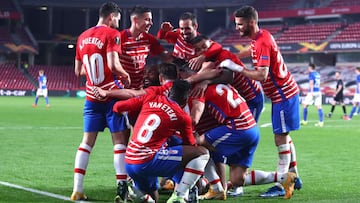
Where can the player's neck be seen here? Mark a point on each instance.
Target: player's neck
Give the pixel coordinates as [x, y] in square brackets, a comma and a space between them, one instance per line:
[102, 22]
[134, 33]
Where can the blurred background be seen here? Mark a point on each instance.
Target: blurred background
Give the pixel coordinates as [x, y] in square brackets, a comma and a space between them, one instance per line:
[41, 34]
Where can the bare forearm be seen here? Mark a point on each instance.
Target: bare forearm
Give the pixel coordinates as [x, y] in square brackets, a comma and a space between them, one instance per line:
[255, 74]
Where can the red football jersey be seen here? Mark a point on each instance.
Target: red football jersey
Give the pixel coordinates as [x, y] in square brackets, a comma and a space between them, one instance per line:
[159, 119]
[183, 49]
[227, 106]
[134, 52]
[164, 89]
[91, 48]
[279, 84]
[246, 87]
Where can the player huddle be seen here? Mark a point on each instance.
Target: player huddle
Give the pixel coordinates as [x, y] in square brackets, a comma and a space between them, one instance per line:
[202, 117]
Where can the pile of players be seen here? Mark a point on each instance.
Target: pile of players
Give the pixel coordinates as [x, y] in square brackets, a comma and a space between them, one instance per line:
[201, 116]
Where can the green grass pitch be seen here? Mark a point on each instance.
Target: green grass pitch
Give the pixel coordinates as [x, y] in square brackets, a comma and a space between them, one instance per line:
[38, 146]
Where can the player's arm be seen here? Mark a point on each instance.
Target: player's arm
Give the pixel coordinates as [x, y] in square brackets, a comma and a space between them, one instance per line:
[196, 111]
[115, 65]
[78, 68]
[166, 32]
[204, 75]
[130, 105]
[311, 85]
[259, 73]
[117, 93]
[186, 132]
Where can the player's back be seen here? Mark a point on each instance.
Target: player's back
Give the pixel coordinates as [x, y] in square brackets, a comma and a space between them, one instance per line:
[279, 84]
[92, 47]
[159, 119]
[228, 107]
[315, 77]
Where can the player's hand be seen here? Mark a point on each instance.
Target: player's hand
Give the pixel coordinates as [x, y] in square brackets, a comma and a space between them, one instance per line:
[126, 80]
[99, 93]
[229, 64]
[166, 26]
[196, 63]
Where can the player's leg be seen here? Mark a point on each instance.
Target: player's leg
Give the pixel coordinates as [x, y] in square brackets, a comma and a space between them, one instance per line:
[120, 132]
[232, 147]
[94, 121]
[194, 160]
[215, 178]
[38, 93]
[256, 106]
[345, 116]
[333, 104]
[45, 93]
[285, 118]
[307, 101]
[81, 163]
[355, 102]
[318, 104]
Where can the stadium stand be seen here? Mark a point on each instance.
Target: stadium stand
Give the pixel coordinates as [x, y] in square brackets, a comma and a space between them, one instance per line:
[349, 34]
[59, 77]
[13, 78]
[308, 33]
[289, 30]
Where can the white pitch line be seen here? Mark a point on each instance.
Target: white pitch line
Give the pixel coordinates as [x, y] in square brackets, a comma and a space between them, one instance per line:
[41, 128]
[39, 192]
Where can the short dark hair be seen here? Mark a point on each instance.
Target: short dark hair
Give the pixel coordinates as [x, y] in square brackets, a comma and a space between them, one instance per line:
[168, 71]
[139, 10]
[107, 8]
[312, 66]
[189, 16]
[180, 91]
[198, 39]
[247, 12]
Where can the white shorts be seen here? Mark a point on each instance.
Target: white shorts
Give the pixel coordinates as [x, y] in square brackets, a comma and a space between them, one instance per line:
[314, 98]
[356, 98]
[42, 92]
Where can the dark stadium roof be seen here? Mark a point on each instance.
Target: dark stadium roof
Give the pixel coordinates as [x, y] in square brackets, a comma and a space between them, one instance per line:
[131, 3]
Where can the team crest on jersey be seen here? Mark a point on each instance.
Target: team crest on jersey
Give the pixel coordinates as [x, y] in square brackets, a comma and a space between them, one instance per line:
[117, 40]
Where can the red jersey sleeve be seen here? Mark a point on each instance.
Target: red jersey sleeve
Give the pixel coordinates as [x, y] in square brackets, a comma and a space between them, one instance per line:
[155, 47]
[114, 43]
[169, 36]
[130, 105]
[263, 51]
[186, 131]
[214, 49]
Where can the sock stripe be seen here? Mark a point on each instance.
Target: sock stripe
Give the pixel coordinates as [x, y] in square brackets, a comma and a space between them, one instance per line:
[84, 150]
[214, 181]
[253, 178]
[191, 170]
[121, 176]
[275, 177]
[79, 170]
[292, 164]
[120, 151]
[285, 152]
